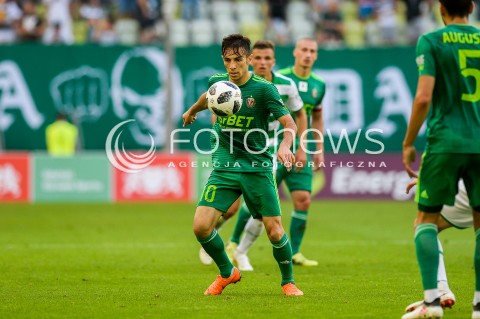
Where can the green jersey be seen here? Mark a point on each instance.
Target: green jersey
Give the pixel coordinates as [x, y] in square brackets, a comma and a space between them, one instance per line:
[312, 90]
[452, 56]
[289, 94]
[242, 137]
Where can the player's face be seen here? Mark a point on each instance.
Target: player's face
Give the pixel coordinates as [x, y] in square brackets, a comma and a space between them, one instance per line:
[305, 53]
[262, 61]
[236, 66]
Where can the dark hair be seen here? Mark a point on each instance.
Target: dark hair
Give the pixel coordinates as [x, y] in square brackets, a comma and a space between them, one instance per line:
[264, 44]
[457, 8]
[236, 42]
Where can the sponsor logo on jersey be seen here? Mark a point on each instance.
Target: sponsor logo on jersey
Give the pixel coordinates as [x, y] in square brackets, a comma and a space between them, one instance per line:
[250, 102]
[302, 86]
[420, 60]
[315, 93]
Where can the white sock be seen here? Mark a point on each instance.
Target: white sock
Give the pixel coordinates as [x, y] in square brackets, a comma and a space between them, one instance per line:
[430, 295]
[253, 229]
[442, 272]
[476, 298]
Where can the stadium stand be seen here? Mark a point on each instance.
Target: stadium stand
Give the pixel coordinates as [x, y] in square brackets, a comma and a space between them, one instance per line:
[357, 23]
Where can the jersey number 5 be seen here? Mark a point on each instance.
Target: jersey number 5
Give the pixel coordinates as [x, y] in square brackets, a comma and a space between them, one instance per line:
[463, 55]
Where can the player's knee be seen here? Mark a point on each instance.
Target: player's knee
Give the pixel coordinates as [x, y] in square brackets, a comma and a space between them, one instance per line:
[275, 233]
[302, 202]
[275, 236]
[201, 231]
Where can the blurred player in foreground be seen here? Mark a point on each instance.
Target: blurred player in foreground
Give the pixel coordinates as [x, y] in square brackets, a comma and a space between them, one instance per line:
[459, 216]
[449, 83]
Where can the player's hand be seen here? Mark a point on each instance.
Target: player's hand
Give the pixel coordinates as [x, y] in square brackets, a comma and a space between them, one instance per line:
[300, 159]
[409, 155]
[188, 118]
[285, 156]
[318, 161]
[410, 185]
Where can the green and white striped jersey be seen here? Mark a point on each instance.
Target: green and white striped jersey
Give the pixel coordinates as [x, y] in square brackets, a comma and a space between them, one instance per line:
[289, 94]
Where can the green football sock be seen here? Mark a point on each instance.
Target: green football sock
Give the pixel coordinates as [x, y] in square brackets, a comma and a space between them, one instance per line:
[477, 260]
[426, 245]
[214, 246]
[297, 229]
[243, 216]
[283, 255]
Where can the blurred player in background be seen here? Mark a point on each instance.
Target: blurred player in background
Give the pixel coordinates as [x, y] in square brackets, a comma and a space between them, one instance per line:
[240, 171]
[449, 79]
[299, 182]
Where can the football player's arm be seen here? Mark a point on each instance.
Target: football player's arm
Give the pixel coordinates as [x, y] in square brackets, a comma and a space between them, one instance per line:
[410, 185]
[317, 126]
[284, 154]
[191, 114]
[302, 125]
[421, 106]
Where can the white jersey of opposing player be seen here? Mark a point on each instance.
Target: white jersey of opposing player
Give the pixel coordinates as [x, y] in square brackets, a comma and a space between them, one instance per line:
[460, 214]
[289, 93]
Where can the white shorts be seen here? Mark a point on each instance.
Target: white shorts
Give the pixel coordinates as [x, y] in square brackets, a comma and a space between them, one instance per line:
[460, 214]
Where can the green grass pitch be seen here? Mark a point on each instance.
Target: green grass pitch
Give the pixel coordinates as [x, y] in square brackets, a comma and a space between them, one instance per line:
[141, 261]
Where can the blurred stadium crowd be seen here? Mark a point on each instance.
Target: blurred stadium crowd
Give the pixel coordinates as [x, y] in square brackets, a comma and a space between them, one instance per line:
[335, 23]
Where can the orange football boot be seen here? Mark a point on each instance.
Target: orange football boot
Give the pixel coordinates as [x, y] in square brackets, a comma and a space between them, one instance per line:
[220, 283]
[291, 290]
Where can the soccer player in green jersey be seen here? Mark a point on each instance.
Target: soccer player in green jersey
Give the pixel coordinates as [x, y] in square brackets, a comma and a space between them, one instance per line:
[239, 171]
[312, 90]
[299, 182]
[263, 60]
[448, 92]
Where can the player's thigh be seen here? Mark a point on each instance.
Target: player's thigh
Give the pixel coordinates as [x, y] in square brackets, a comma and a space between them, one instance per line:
[233, 208]
[260, 194]
[221, 191]
[299, 181]
[437, 181]
[471, 178]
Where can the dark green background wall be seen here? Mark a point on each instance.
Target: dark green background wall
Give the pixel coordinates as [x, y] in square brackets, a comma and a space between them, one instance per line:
[101, 86]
